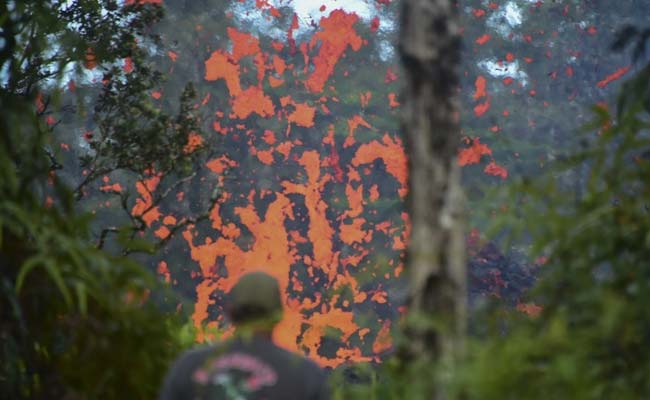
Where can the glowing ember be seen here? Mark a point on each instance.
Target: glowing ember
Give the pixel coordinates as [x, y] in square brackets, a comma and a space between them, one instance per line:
[614, 76]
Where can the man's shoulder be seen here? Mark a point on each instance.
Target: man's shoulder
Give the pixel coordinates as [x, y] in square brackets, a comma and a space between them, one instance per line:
[302, 364]
[179, 378]
[199, 354]
[267, 348]
[200, 351]
[312, 377]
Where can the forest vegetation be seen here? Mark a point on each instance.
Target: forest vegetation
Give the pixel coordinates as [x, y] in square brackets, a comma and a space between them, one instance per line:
[152, 152]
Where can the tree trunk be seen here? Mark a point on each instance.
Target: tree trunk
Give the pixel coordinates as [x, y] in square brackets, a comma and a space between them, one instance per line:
[430, 50]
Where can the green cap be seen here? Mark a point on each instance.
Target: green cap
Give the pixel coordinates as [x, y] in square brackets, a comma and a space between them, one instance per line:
[256, 296]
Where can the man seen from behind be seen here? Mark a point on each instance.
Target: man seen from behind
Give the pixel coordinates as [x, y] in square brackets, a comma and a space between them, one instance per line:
[249, 366]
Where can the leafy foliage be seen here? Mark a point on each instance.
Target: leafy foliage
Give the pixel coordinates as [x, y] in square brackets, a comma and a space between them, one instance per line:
[588, 342]
[73, 318]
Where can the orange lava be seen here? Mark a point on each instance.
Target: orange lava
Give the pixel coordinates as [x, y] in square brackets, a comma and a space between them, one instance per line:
[391, 152]
[483, 39]
[614, 76]
[353, 124]
[336, 34]
[144, 205]
[480, 88]
[315, 222]
[221, 66]
[320, 232]
[496, 170]
[252, 100]
[303, 115]
[244, 44]
[473, 154]
[482, 108]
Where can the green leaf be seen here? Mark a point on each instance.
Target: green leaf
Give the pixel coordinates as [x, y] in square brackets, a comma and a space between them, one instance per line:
[82, 298]
[53, 272]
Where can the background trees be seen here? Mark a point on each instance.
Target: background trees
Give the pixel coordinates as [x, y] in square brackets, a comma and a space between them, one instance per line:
[73, 318]
[587, 341]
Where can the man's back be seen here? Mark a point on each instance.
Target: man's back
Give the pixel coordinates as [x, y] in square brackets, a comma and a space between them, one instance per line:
[244, 369]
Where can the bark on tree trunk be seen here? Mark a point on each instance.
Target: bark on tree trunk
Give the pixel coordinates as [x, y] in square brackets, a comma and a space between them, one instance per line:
[430, 50]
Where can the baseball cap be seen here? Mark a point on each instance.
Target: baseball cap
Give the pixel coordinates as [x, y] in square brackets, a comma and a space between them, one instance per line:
[255, 296]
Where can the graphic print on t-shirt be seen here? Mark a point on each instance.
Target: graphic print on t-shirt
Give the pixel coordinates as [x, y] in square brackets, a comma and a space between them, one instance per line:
[234, 376]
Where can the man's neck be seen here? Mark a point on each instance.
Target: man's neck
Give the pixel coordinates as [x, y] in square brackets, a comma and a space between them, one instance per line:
[251, 332]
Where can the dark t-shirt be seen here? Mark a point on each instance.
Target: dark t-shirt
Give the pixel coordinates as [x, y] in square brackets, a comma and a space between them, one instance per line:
[244, 369]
